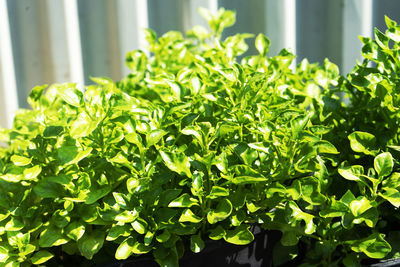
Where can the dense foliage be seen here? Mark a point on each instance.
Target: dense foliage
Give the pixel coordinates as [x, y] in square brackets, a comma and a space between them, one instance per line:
[193, 145]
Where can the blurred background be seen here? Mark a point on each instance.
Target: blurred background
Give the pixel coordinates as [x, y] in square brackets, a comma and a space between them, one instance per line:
[56, 41]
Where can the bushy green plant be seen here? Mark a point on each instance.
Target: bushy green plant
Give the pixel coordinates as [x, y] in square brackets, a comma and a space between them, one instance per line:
[193, 145]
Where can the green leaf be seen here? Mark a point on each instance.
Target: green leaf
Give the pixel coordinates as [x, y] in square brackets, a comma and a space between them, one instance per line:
[71, 154]
[32, 173]
[140, 226]
[184, 201]
[127, 216]
[196, 132]
[381, 39]
[148, 238]
[299, 123]
[246, 175]
[140, 248]
[117, 231]
[383, 164]
[67, 154]
[218, 191]
[393, 181]
[120, 199]
[154, 137]
[335, 209]
[352, 173]
[132, 184]
[35, 95]
[392, 195]
[359, 206]
[177, 162]
[239, 236]
[46, 189]
[71, 95]
[196, 243]
[26, 250]
[217, 233]
[168, 195]
[262, 44]
[374, 246]
[370, 217]
[82, 126]
[188, 216]
[96, 193]
[75, 230]
[90, 244]
[60, 218]
[347, 198]
[163, 237]
[191, 117]
[41, 257]
[52, 236]
[14, 224]
[363, 142]
[125, 249]
[221, 212]
[20, 160]
[311, 191]
[325, 147]
[296, 214]
[52, 131]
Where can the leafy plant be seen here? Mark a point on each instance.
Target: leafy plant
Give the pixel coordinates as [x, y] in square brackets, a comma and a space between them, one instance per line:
[193, 145]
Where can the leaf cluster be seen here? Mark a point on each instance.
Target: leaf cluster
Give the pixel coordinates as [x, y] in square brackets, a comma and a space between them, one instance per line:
[194, 146]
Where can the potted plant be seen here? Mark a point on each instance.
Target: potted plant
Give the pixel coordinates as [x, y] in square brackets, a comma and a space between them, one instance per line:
[194, 150]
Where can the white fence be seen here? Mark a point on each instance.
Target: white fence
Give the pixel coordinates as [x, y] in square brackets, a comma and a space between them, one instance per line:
[48, 41]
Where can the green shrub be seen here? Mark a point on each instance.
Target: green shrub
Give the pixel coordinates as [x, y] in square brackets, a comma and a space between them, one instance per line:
[193, 145]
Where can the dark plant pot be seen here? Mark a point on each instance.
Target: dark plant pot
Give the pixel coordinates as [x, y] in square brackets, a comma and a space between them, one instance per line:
[386, 263]
[220, 254]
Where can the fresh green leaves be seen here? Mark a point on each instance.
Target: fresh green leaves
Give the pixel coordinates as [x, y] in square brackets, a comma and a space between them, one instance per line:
[91, 243]
[125, 249]
[52, 236]
[71, 95]
[239, 236]
[262, 44]
[363, 142]
[221, 212]
[193, 144]
[41, 257]
[383, 164]
[374, 246]
[177, 162]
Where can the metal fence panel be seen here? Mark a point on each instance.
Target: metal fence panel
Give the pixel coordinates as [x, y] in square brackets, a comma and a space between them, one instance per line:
[8, 84]
[47, 41]
[357, 21]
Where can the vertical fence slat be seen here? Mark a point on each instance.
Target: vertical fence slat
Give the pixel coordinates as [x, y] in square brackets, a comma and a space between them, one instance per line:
[166, 15]
[281, 25]
[142, 21]
[194, 17]
[132, 20]
[391, 8]
[97, 33]
[357, 20]
[213, 5]
[74, 42]
[113, 46]
[30, 45]
[319, 30]
[250, 18]
[54, 18]
[8, 85]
